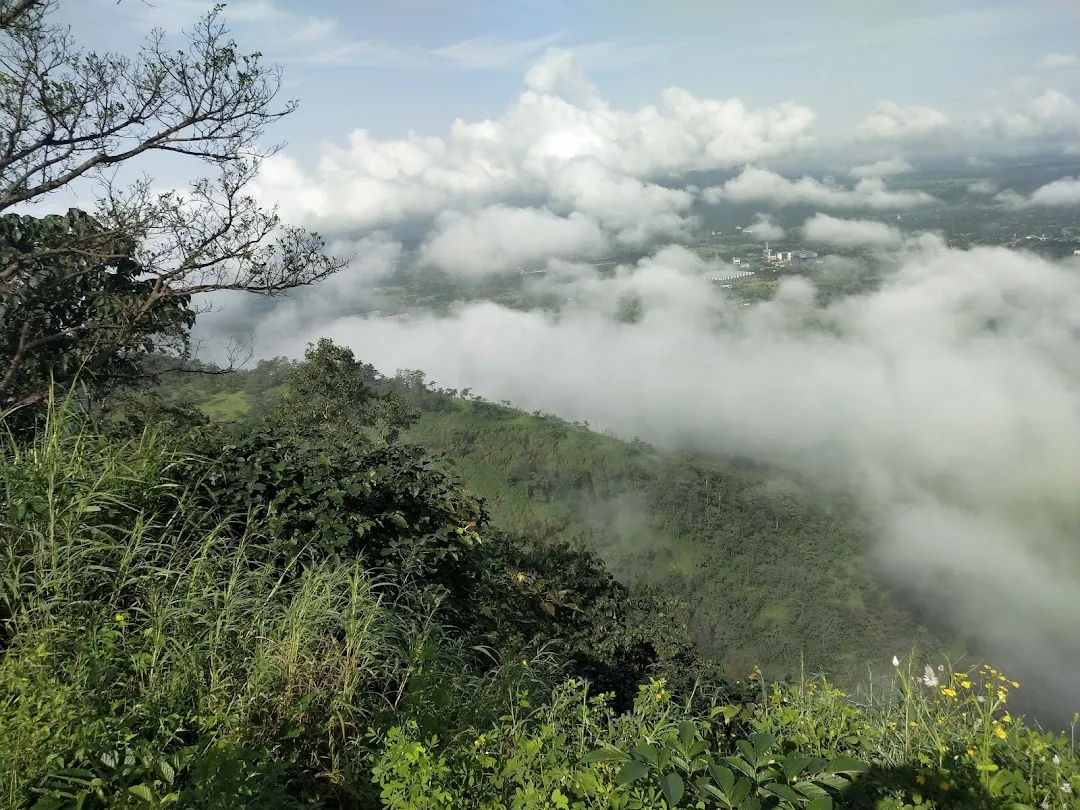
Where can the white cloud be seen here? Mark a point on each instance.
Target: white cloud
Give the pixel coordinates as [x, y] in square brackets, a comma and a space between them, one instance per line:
[499, 238]
[892, 121]
[882, 168]
[1062, 192]
[755, 184]
[1054, 61]
[636, 211]
[558, 121]
[849, 233]
[981, 187]
[1049, 115]
[765, 229]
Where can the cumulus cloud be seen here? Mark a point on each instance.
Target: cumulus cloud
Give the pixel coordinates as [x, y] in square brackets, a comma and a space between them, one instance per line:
[891, 121]
[765, 229]
[851, 233]
[1051, 114]
[756, 184]
[634, 211]
[981, 187]
[558, 120]
[882, 168]
[499, 238]
[1063, 192]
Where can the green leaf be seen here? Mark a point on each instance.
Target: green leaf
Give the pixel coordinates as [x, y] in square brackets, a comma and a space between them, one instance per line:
[606, 755]
[844, 764]
[142, 792]
[794, 765]
[399, 520]
[649, 753]
[782, 791]
[672, 786]
[709, 789]
[687, 732]
[631, 772]
[820, 803]
[741, 791]
[723, 777]
[762, 743]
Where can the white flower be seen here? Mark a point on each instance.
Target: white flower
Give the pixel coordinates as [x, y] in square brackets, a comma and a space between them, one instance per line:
[895, 661]
[940, 667]
[1066, 787]
[982, 699]
[929, 678]
[1056, 760]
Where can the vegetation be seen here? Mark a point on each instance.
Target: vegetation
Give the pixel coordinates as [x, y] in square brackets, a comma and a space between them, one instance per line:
[298, 604]
[767, 571]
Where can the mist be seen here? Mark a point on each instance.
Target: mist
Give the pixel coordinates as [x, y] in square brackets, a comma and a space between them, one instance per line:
[947, 402]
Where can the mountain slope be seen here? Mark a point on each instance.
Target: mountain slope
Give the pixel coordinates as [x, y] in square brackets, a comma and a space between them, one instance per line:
[771, 573]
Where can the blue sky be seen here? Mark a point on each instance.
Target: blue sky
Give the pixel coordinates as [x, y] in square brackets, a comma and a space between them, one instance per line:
[452, 115]
[395, 65]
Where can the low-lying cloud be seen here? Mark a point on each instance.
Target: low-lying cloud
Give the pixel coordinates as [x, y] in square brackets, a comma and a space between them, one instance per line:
[948, 402]
[1063, 192]
[499, 238]
[882, 168]
[850, 233]
[761, 185]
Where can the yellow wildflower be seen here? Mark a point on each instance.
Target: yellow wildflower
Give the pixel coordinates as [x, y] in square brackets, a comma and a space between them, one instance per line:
[944, 786]
[966, 684]
[659, 695]
[913, 724]
[945, 690]
[120, 617]
[971, 752]
[999, 732]
[892, 725]
[1015, 684]
[920, 779]
[1006, 719]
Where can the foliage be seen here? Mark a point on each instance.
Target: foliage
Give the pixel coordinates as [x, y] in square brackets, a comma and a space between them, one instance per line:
[574, 752]
[92, 295]
[765, 569]
[73, 301]
[332, 395]
[197, 630]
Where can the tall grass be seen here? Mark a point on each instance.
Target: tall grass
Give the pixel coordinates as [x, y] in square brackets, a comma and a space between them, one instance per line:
[133, 623]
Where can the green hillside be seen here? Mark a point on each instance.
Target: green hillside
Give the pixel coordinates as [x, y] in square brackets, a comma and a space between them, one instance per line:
[771, 573]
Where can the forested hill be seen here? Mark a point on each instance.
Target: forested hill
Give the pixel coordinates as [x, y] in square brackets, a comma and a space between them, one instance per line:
[770, 573]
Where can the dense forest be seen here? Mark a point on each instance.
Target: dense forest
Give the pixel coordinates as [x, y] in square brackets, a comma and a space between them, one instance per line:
[769, 572]
[309, 585]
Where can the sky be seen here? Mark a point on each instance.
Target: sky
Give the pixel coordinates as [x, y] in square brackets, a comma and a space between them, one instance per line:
[391, 66]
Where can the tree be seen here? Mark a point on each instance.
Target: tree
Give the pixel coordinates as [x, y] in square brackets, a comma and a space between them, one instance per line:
[333, 395]
[123, 279]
